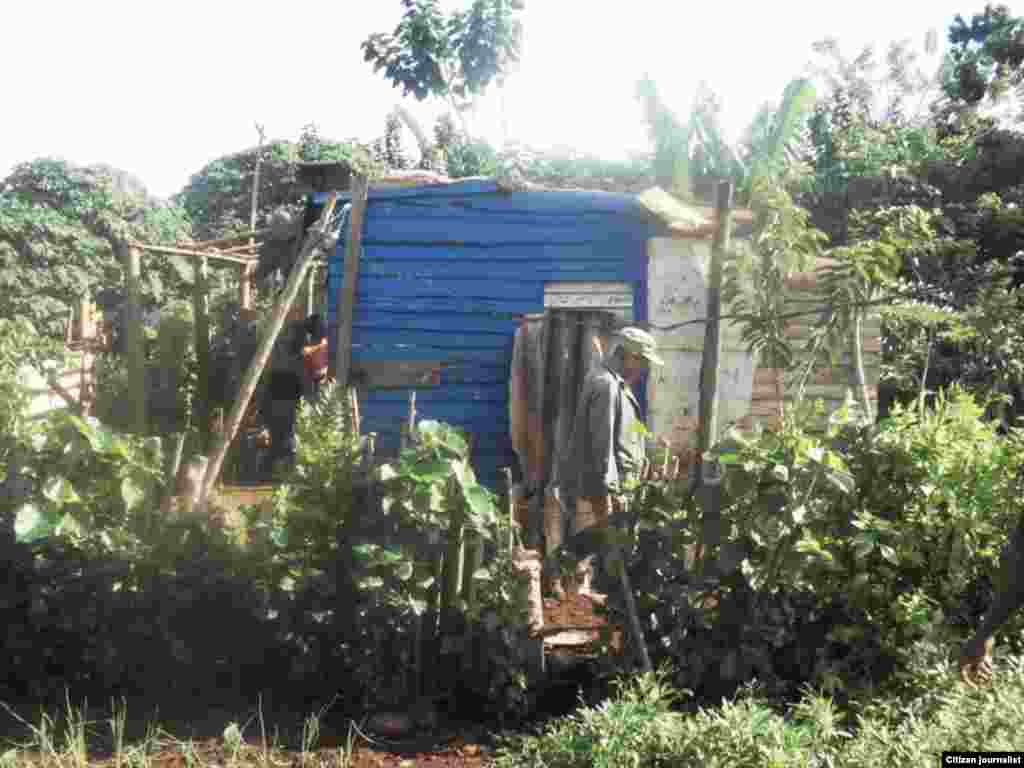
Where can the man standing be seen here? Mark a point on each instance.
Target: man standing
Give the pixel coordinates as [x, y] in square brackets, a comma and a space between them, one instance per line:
[608, 446]
[281, 397]
[976, 655]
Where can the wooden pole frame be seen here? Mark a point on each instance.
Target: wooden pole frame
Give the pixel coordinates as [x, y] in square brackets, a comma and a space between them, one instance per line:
[135, 339]
[263, 351]
[214, 255]
[201, 311]
[347, 291]
[710, 369]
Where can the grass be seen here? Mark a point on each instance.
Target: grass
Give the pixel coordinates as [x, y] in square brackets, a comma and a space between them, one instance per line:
[638, 727]
[64, 742]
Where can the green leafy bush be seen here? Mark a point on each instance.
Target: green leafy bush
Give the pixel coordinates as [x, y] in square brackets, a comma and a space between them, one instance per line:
[840, 550]
[636, 727]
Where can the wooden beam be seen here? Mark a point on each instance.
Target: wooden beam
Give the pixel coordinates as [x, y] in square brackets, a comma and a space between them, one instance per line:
[245, 286]
[347, 292]
[135, 339]
[238, 248]
[228, 240]
[263, 351]
[194, 254]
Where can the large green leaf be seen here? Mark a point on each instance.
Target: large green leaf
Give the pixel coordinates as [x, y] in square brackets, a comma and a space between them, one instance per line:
[133, 493]
[32, 523]
[433, 471]
[444, 436]
[60, 491]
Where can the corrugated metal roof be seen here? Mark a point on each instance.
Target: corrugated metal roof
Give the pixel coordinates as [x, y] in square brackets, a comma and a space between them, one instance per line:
[446, 273]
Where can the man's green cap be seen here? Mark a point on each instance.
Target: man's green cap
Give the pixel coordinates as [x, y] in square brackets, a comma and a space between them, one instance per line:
[640, 343]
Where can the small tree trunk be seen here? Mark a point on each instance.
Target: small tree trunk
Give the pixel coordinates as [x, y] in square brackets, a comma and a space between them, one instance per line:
[201, 402]
[857, 361]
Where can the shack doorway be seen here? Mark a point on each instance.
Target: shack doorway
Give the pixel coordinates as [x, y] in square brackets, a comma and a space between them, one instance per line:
[552, 356]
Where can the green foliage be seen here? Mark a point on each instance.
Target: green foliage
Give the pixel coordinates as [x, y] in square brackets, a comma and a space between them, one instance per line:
[388, 150]
[912, 511]
[697, 147]
[451, 56]
[312, 148]
[57, 225]
[671, 139]
[987, 55]
[94, 485]
[635, 727]
[462, 156]
[564, 166]
[755, 277]
[747, 732]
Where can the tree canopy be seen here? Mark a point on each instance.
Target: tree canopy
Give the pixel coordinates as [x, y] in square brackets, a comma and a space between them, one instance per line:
[57, 225]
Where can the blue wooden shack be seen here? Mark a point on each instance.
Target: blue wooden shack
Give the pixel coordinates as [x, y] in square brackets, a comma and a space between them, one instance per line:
[447, 272]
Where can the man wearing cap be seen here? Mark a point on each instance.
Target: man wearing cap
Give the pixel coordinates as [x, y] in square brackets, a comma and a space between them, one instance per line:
[607, 446]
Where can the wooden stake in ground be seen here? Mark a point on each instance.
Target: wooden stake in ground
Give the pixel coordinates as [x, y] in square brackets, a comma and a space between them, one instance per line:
[263, 351]
[135, 338]
[245, 288]
[710, 371]
[201, 310]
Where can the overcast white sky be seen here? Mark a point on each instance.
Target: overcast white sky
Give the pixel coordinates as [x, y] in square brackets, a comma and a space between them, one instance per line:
[159, 89]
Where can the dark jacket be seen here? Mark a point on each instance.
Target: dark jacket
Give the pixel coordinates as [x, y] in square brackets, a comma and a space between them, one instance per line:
[607, 445]
[1009, 587]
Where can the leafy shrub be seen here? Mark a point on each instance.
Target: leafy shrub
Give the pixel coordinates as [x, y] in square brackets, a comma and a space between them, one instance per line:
[637, 728]
[841, 550]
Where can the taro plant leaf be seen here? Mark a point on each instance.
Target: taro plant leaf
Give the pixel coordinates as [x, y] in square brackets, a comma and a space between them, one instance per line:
[433, 471]
[132, 493]
[32, 523]
[480, 503]
[443, 436]
[60, 491]
[363, 551]
[404, 571]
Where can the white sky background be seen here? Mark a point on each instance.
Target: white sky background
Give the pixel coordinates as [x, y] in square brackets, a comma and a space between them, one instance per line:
[160, 89]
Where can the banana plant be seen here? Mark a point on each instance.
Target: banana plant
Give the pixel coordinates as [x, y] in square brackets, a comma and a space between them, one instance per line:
[697, 146]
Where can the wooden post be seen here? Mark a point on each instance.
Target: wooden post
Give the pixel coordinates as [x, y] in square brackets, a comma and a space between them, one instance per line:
[510, 507]
[201, 310]
[135, 339]
[454, 556]
[636, 630]
[710, 369]
[347, 292]
[311, 291]
[245, 287]
[409, 428]
[263, 351]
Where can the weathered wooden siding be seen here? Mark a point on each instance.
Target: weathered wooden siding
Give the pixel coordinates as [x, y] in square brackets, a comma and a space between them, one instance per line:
[447, 271]
[750, 392]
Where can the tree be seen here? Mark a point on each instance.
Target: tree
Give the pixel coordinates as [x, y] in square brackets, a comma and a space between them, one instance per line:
[388, 149]
[987, 56]
[697, 147]
[454, 57]
[58, 227]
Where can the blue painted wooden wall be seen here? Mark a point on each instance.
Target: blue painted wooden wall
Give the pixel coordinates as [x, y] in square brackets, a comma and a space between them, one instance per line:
[446, 270]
